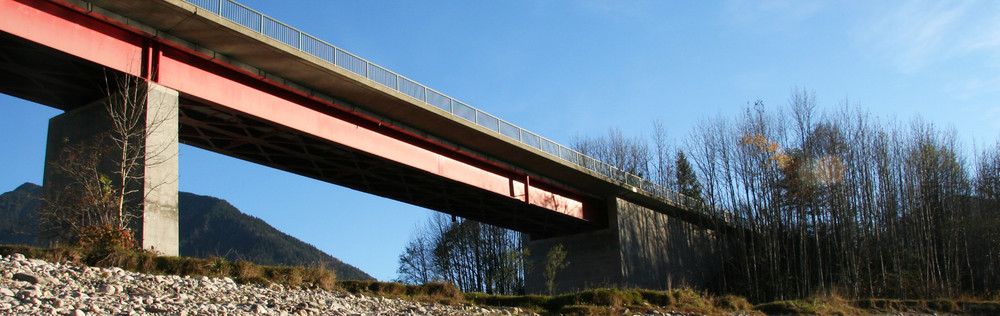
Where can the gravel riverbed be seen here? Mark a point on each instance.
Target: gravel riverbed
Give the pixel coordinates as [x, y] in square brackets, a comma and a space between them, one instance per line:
[36, 287]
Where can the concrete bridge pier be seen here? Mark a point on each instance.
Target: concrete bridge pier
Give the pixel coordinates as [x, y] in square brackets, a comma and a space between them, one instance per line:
[641, 248]
[79, 132]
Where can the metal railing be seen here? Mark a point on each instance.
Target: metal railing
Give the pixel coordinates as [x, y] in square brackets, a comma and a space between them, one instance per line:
[274, 29]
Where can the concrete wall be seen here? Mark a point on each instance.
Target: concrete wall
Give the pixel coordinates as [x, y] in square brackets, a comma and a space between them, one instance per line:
[594, 261]
[156, 189]
[660, 252]
[641, 249]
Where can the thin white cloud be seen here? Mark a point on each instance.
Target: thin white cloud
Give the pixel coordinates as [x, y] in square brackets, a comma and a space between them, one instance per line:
[914, 35]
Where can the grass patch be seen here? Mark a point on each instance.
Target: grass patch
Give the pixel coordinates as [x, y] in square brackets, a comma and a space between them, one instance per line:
[813, 305]
[833, 305]
[616, 301]
[444, 293]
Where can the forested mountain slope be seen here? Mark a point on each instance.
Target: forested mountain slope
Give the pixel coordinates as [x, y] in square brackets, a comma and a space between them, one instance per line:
[208, 227]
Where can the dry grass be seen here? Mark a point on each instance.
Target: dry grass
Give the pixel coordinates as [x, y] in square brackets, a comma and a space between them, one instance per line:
[813, 305]
[611, 301]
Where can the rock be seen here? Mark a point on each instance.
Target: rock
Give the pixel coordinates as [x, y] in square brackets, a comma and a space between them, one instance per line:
[52, 281]
[6, 292]
[260, 309]
[28, 278]
[28, 294]
[107, 289]
[79, 312]
[156, 309]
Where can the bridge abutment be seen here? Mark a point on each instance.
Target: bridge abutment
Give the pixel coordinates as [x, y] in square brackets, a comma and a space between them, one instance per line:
[641, 248]
[81, 168]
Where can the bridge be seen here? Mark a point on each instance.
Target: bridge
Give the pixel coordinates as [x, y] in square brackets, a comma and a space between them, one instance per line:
[228, 79]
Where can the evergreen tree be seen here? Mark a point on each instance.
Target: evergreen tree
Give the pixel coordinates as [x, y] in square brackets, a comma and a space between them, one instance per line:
[687, 180]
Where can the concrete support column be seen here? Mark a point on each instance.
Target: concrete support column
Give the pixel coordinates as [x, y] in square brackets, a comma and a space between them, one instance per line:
[595, 260]
[159, 227]
[155, 183]
[641, 248]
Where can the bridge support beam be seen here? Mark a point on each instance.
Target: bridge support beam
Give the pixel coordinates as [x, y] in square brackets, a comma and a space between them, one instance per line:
[641, 248]
[82, 134]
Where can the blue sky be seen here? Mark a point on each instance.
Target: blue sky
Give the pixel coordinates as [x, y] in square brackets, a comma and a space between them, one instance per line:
[562, 68]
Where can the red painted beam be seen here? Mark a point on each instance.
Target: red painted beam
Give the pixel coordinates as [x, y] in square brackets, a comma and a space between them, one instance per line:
[74, 33]
[200, 81]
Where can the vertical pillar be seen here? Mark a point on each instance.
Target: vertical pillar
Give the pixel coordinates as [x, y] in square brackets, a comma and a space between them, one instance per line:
[595, 260]
[641, 248]
[84, 133]
[159, 227]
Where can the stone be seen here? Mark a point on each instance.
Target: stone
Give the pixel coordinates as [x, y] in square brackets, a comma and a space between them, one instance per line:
[156, 309]
[28, 294]
[107, 289]
[51, 280]
[6, 292]
[260, 309]
[28, 278]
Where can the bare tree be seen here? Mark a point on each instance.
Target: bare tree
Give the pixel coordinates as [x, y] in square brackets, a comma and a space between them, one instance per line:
[474, 256]
[103, 175]
[629, 154]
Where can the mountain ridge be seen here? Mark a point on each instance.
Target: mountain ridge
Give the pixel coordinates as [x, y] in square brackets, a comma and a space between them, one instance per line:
[209, 227]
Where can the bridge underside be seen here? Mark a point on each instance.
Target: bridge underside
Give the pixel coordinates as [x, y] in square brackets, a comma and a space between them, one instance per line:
[244, 137]
[51, 77]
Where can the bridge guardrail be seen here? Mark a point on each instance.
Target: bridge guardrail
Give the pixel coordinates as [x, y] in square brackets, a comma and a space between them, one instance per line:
[293, 37]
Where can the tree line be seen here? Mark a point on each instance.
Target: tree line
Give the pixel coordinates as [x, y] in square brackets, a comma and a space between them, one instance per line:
[843, 201]
[831, 201]
[474, 256]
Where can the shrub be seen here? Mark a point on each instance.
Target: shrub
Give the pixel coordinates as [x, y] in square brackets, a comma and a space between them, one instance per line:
[943, 305]
[442, 292]
[779, 307]
[245, 271]
[321, 277]
[529, 302]
[217, 267]
[388, 288]
[291, 276]
[105, 236]
[657, 298]
[732, 303]
[356, 287]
